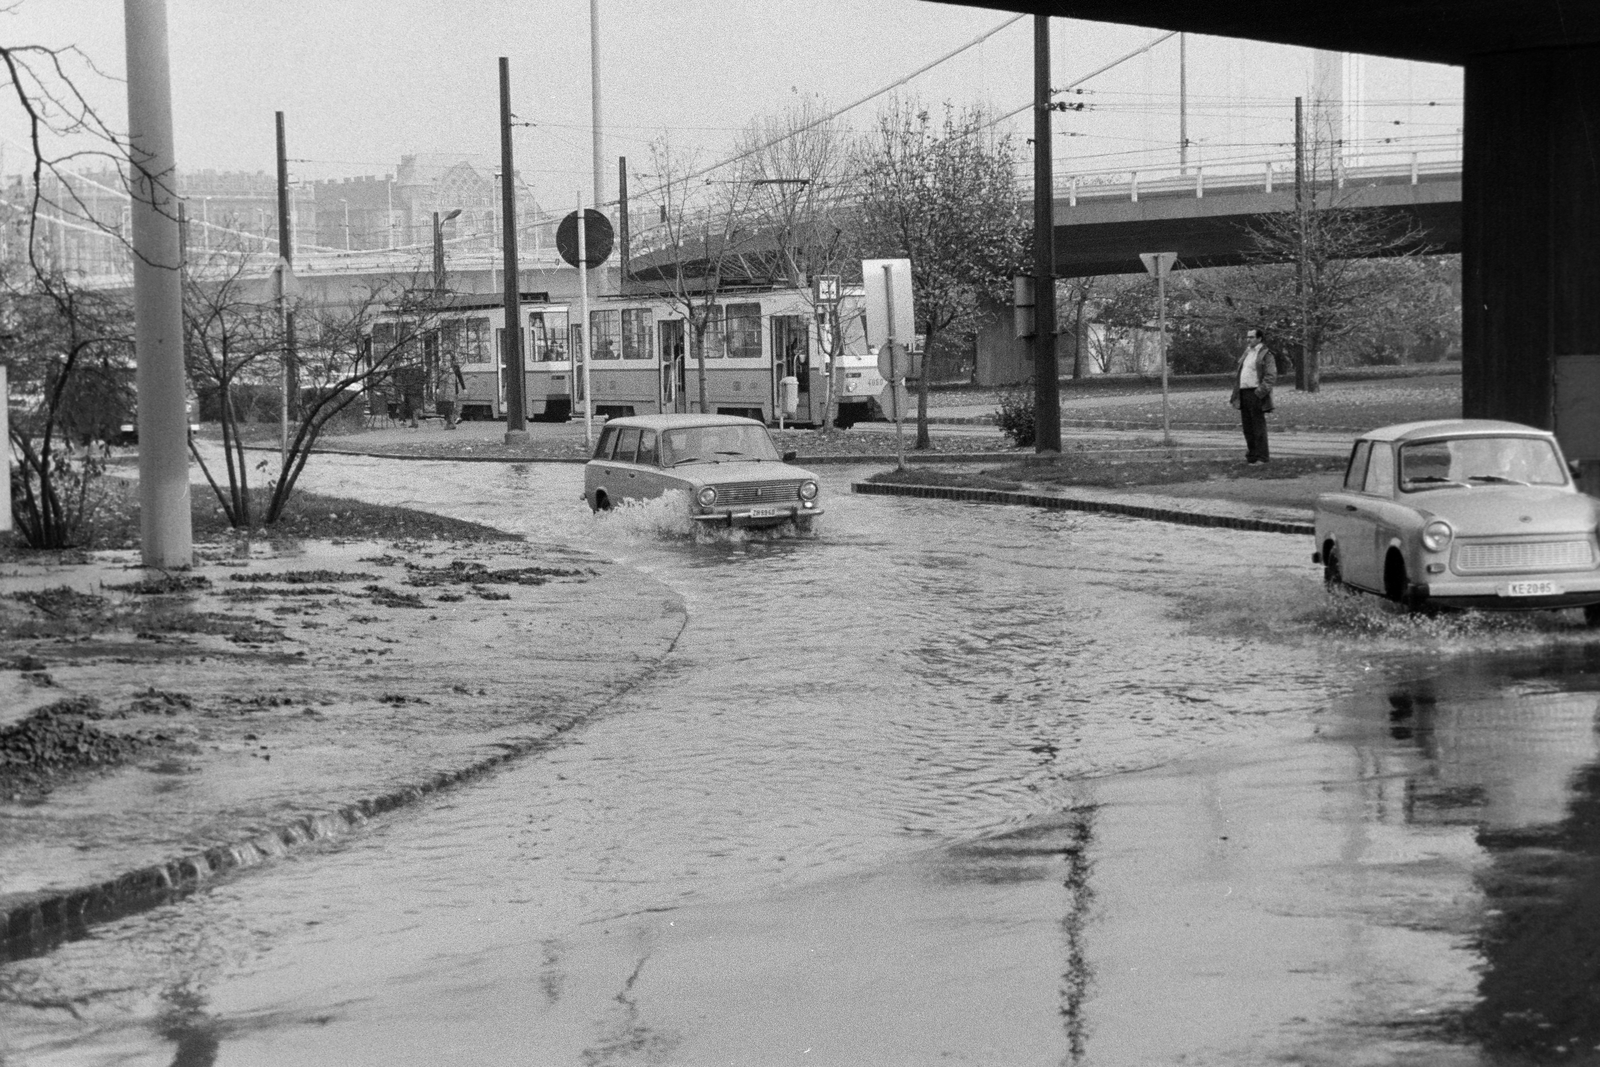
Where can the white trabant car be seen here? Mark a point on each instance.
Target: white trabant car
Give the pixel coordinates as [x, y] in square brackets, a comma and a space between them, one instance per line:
[1462, 513]
[727, 466]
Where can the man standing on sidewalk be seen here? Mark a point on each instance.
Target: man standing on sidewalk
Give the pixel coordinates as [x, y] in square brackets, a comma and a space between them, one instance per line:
[1252, 394]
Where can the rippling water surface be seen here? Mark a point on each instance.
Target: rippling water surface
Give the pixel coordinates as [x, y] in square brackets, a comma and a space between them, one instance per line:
[845, 713]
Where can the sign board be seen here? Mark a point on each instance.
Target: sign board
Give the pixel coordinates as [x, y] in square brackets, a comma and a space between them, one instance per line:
[827, 289]
[895, 362]
[597, 238]
[1159, 264]
[888, 283]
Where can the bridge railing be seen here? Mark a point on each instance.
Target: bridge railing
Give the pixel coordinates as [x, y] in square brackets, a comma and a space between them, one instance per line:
[1264, 175]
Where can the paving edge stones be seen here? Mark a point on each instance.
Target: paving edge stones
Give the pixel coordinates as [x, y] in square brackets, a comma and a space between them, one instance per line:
[32, 923]
[1065, 503]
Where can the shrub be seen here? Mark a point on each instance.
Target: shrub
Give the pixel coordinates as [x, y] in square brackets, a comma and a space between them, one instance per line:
[1015, 415]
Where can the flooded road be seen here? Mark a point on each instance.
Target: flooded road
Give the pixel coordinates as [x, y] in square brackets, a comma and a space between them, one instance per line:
[939, 782]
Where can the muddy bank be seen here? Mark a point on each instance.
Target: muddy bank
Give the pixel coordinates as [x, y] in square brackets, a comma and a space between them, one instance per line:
[160, 729]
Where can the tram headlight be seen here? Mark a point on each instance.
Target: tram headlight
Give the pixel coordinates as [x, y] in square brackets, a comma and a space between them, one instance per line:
[1436, 535]
[706, 496]
[808, 490]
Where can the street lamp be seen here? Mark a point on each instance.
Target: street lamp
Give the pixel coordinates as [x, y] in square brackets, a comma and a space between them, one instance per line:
[438, 248]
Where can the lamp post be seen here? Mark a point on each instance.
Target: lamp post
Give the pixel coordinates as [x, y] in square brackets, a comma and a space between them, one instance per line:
[438, 248]
[346, 204]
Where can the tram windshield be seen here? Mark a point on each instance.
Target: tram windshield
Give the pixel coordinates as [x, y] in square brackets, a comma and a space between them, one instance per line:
[716, 444]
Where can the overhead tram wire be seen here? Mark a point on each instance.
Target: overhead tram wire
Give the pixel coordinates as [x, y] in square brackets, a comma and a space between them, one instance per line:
[840, 111]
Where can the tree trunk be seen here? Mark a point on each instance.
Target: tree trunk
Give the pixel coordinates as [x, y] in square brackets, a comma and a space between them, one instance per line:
[700, 361]
[923, 442]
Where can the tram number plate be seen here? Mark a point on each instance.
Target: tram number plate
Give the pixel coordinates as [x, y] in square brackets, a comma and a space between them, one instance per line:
[1532, 589]
[767, 513]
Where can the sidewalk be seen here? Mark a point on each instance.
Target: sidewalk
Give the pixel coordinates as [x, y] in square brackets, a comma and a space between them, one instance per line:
[272, 699]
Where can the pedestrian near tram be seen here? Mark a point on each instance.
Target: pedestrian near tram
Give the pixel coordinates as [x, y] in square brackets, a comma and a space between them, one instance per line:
[1252, 394]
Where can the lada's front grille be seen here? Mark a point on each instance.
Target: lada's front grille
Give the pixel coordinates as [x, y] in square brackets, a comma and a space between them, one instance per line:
[758, 493]
[1516, 556]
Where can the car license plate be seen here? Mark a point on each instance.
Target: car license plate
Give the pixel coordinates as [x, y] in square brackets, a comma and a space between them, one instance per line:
[1531, 589]
[767, 513]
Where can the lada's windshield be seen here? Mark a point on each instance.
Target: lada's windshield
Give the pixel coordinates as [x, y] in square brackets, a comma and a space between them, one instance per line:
[716, 444]
[1477, 461]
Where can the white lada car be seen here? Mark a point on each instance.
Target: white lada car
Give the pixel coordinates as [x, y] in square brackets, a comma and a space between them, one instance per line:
[1462, 513]
[728, 468]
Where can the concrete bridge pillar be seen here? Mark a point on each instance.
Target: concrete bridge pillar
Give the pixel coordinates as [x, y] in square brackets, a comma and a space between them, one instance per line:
[1531, 243]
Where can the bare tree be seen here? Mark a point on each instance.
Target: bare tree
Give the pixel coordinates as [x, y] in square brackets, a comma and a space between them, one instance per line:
[796, 165]
[69, 352]
[346, 349]
[231, 329]
[943, 195]
[1307, 279]
[700, 247]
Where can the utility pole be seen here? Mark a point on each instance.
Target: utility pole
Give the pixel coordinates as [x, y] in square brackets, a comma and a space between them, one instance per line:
[1047, 395]
[288, 373]
[1302, 374]
[1183, 104]
[166, 532]
[516, 407]
[622, 223]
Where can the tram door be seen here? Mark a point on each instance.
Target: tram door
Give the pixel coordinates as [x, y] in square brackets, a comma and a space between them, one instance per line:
[673, 366]
[791, 356]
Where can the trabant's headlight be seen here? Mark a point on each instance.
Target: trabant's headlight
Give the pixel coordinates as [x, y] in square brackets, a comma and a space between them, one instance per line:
[808, 490]
[707, 497]
[1436, 535]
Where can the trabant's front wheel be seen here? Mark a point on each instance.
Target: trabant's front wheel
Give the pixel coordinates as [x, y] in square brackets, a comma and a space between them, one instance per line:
[1398, 588]
[1591, 614]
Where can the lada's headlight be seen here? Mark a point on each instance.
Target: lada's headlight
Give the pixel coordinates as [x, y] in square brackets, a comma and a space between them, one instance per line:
[707, 497]
[1436, 535]
[808, 490]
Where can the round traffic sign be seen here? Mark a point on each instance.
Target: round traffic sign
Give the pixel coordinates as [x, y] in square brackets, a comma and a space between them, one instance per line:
[597, 238]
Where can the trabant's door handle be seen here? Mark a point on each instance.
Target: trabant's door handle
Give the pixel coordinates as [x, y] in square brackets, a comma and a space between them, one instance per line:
[1351, 507]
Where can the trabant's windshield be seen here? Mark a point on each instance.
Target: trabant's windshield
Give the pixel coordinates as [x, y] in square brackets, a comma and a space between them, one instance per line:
[716, 444]
[1476, 461]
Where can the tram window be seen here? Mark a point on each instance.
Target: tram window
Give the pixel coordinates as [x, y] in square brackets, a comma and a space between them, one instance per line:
[744, 331]
[466, 340]
[647, 447]
[635, 333]
[608, 440]
[627, 444]
[606, 327]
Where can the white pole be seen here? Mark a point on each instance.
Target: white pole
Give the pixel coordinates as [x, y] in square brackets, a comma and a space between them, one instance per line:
[1161, 299]
[166, 533]
[594, 93]
[583, 331]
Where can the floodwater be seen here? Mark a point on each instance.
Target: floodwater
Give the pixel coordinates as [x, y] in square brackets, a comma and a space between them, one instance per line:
[935, 783]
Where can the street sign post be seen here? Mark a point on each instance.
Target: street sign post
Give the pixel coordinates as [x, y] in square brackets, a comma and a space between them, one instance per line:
[1159, 264]
[890, 312]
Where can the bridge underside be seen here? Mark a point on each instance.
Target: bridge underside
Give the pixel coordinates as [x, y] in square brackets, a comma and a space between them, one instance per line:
[1530, 221]
[1086, 249]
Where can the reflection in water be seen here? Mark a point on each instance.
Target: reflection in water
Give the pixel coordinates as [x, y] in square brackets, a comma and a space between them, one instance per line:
[1509, 748]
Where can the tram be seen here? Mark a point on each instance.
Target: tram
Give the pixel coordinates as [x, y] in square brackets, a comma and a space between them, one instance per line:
[644, 362]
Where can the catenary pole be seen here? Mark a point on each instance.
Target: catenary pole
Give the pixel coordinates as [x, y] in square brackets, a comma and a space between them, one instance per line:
[516, 407]
[165, 528]
[1047, 396]
[288, 375]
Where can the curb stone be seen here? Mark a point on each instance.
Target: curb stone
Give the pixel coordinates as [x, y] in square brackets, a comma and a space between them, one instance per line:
[32, 923]
[1064, 503]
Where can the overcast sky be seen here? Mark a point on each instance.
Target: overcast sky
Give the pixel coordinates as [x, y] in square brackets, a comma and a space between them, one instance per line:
[364, 81]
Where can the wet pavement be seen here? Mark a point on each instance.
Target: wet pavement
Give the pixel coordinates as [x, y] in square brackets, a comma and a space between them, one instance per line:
[940, 782]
